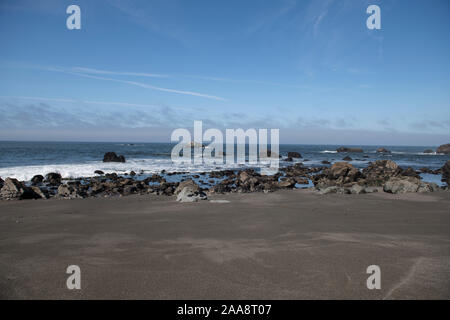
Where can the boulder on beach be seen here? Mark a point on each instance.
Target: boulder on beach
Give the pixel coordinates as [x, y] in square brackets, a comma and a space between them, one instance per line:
[53, 178]
[188, 195]
[345, 149]
[343, 170]
[113, 157]
[293, 154]
[37, 179]
[445, 149]
[13, 189]
[186, 184]
[397, 185]
[401, 185]
[189, 191]
[383, 150]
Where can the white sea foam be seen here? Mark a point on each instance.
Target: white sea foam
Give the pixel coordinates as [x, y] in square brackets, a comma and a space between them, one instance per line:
[329, 151]
[77, 170]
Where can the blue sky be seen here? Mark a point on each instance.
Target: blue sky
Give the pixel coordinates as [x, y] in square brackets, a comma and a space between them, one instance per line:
[138, 69]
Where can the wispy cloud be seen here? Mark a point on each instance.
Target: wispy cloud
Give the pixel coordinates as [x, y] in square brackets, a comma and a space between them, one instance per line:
[133, 74]
[92, 74]
[148, 86]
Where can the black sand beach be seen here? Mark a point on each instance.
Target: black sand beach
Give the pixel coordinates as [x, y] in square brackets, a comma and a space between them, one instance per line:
[291, 244]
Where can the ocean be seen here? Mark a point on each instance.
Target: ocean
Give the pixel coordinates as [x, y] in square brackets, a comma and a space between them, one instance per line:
[23, 160]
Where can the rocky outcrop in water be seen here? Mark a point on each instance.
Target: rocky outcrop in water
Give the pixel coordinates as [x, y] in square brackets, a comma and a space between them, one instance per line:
[113, 157]
[383, 150]
[445, 149]
[293, 154]
[353, 150]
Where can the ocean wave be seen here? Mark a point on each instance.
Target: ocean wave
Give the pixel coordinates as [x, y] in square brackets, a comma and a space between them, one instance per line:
[148, 166]
[328, 151]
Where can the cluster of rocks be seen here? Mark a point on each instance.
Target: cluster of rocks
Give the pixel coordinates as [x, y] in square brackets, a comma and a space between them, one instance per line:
[383, 175]
[341, 177]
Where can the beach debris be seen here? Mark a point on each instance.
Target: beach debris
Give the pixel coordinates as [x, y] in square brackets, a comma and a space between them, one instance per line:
[113, 157]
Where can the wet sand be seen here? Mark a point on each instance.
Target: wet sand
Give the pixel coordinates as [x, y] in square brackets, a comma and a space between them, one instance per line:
[283, 245]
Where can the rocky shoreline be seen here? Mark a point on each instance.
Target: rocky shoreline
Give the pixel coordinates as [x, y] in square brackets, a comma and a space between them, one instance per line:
[341, 178]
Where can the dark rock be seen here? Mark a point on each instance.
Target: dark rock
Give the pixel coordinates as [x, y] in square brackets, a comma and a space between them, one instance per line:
[445, 149]
[1, 183]
[426, 170]
[339, 174]
[347, 158]
[287, 183]
[326, 162]
[132, 173]
[380, 171]
[100, 172]
[41, 193]
[53, 178]
[37, 179]
[112, 157]
[345, 149]
[301, 180]
[289, 159]
[446, 172]
[410, 172]
[428, 151]
[294, 155]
